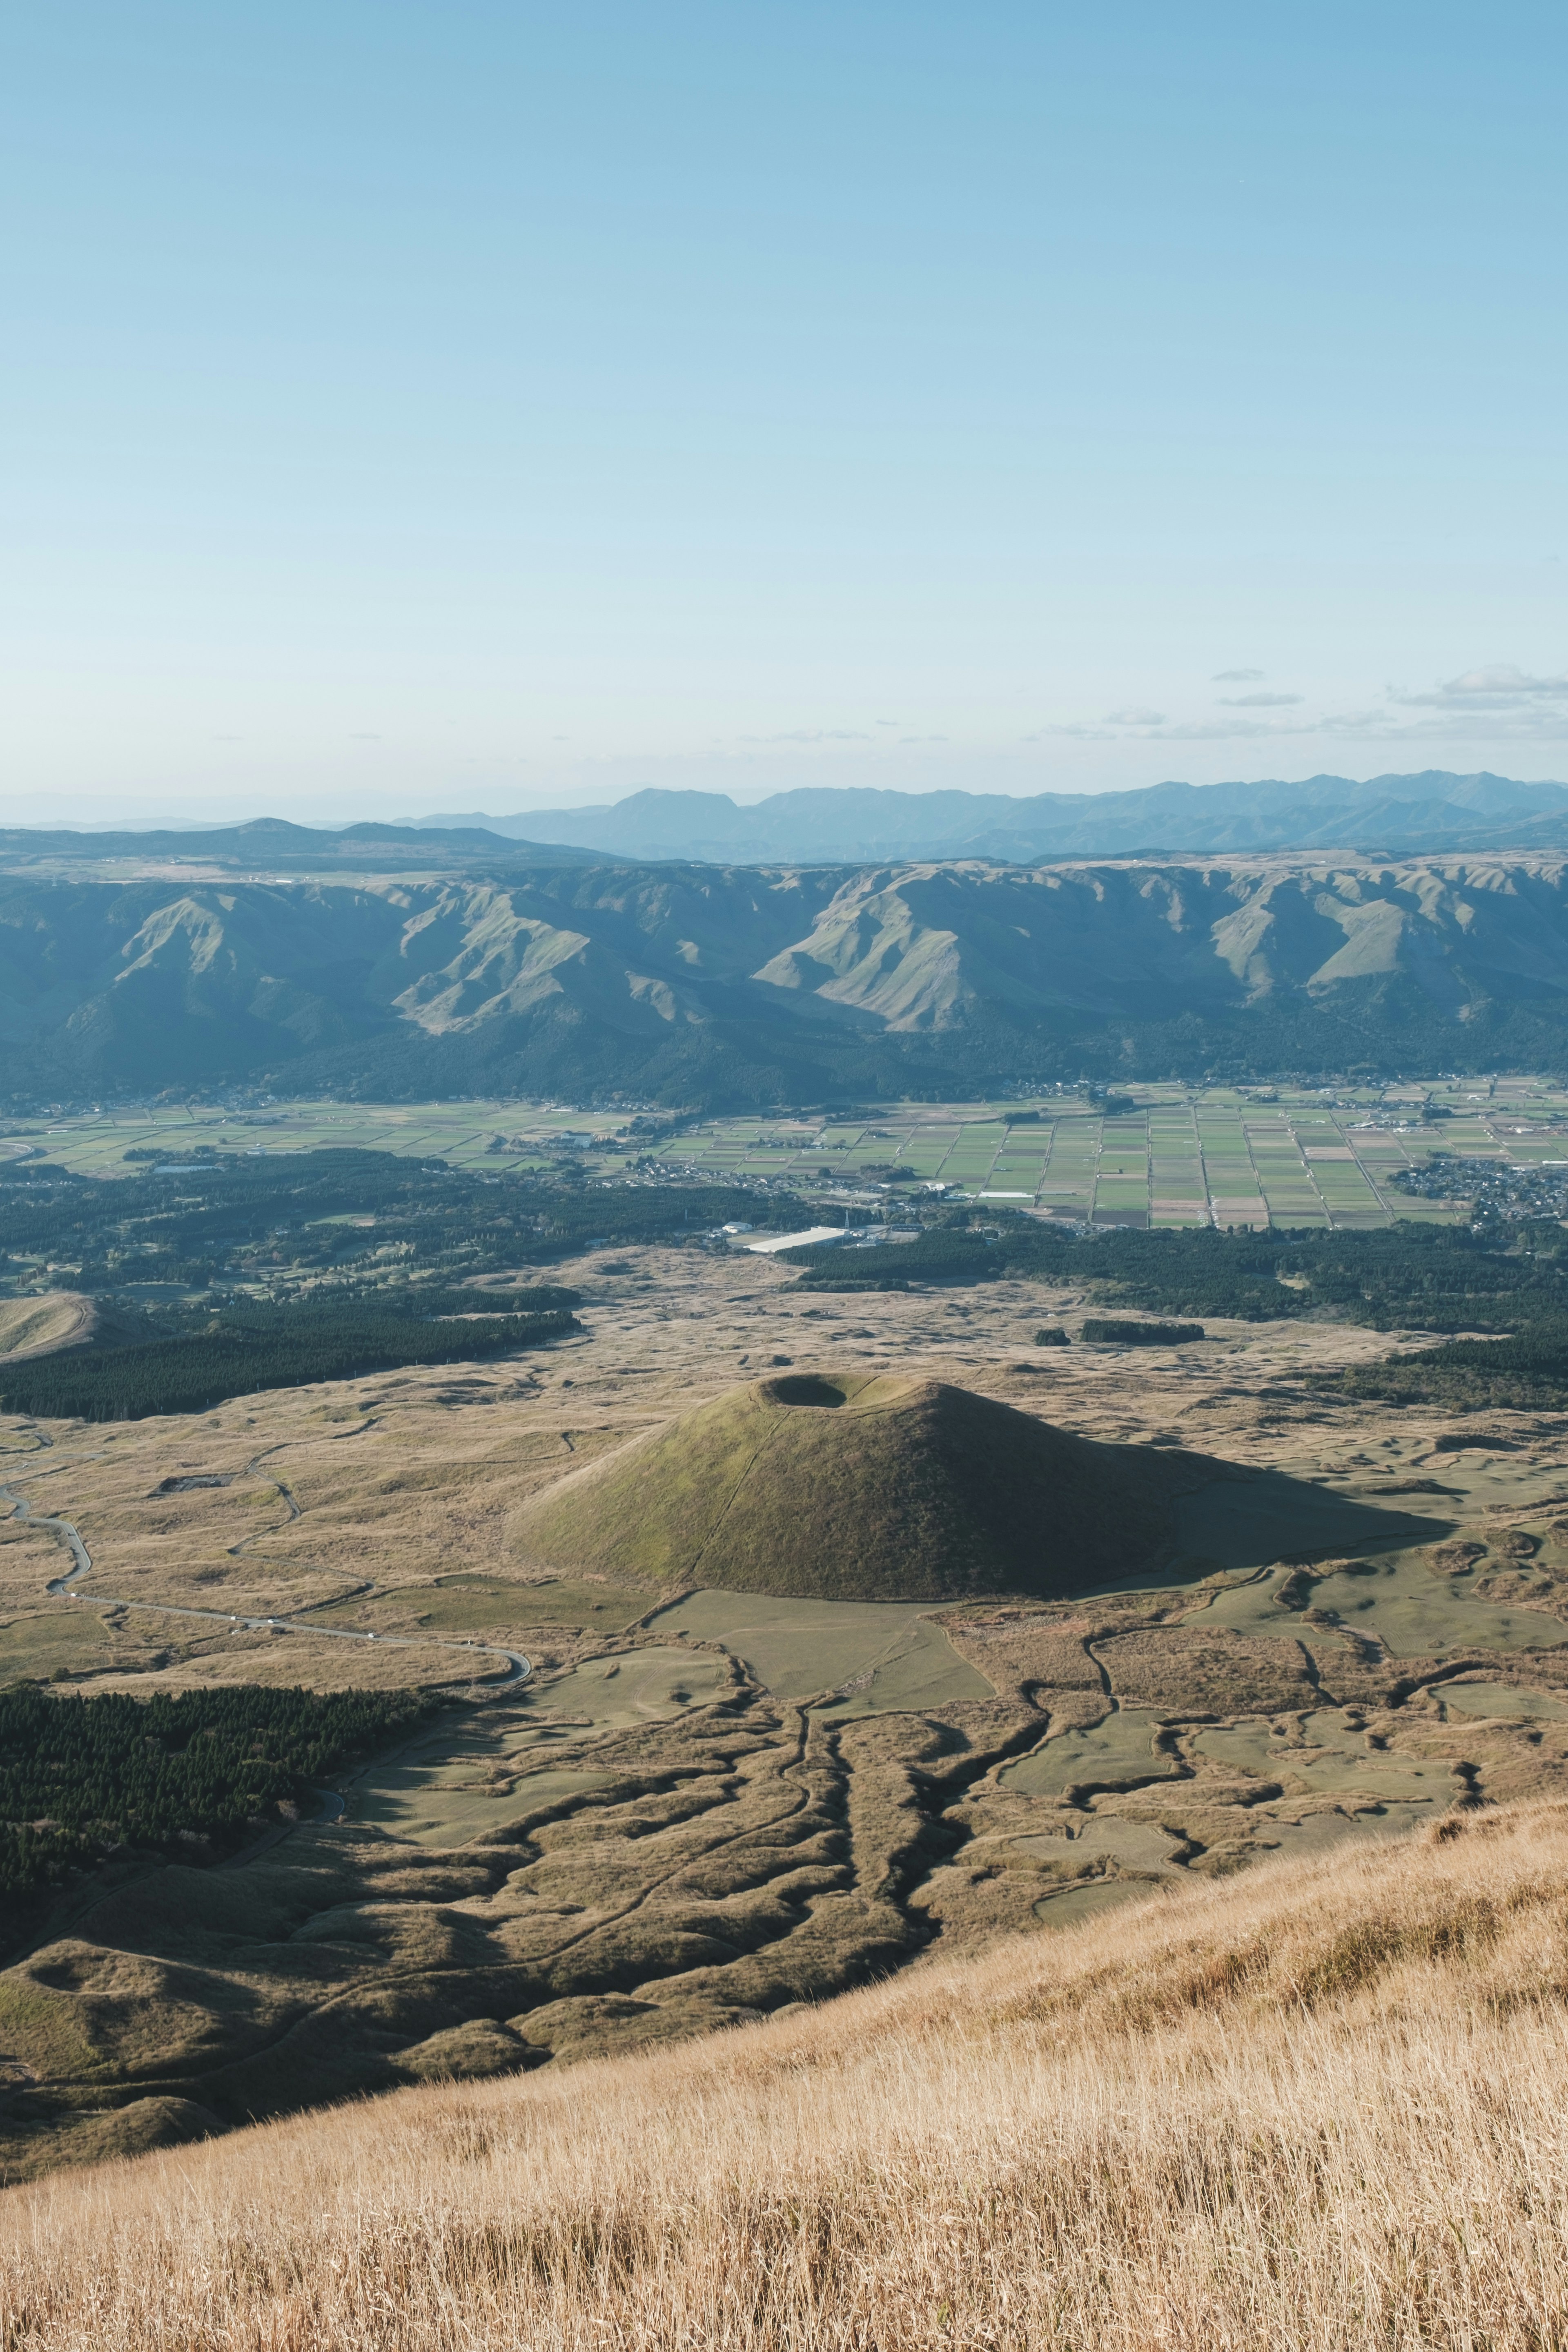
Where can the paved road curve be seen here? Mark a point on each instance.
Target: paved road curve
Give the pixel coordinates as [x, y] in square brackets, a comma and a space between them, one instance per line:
[62, 1587]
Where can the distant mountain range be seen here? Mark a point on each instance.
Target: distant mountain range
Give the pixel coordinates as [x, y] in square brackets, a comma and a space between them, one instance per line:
[698, 985]
[259, 849]
[1393, 815]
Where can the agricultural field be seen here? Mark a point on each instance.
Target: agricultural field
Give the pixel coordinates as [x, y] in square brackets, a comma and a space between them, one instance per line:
[1174, 1156]
[466, 1134]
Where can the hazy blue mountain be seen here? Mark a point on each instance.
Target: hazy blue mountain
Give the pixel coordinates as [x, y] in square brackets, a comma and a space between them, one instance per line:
[706, 984]
[260, 846]
[1388, 815]
[1433, 811]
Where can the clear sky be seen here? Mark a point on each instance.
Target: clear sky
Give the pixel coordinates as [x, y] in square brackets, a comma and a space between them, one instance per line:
[482, 405]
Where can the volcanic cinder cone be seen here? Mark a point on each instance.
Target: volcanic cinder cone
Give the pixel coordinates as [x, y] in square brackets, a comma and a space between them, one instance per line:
[840, 1486]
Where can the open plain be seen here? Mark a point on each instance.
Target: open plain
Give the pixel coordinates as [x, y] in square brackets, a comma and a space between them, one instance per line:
[651, 1809]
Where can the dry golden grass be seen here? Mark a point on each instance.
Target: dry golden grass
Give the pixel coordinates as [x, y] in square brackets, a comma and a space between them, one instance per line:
[1320, 2106]
[36, 1327]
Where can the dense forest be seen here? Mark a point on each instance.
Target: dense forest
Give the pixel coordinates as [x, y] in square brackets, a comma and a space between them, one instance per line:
[193, 1774]
[1527, 1372]
[1443, 1277]
[1134, 1331]
[368, 1220]
[246, 1348]
[309, 1266]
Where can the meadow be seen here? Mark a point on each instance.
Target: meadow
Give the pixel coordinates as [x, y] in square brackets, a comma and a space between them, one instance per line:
[1318, 2107]
[700, 1808]
[95, 1143]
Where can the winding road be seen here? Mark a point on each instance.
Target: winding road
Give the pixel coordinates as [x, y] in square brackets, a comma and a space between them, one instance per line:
[62, 1588]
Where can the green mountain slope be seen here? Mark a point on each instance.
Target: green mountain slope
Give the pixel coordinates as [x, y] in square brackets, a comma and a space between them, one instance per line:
[850, 1487]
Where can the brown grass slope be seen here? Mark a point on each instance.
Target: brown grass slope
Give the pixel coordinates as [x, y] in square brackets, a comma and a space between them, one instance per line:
[845, 1486]
[1318, 2107]
[52, 1320]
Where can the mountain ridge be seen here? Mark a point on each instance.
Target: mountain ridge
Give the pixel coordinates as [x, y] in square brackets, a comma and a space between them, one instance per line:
[274, 840]
[1430, 811]
[697, 984]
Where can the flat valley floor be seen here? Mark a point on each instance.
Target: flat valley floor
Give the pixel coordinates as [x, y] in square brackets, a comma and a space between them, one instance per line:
[691, 1809]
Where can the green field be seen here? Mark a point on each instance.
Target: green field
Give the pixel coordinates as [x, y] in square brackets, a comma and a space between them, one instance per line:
[464, 1133]
[1181, 1156]
[875, 1656]
[469, 1135]
[478, 1772]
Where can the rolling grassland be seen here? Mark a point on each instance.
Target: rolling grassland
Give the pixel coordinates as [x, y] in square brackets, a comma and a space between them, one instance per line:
[1319, 2107]
[703, 1806]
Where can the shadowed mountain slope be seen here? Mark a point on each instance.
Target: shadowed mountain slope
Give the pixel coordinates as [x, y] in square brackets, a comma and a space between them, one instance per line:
[849, 1487]
[705, 984]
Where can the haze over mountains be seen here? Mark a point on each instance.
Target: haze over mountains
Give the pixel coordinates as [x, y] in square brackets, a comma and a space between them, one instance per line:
[1386, 815]
[1433, 811]
[694, 984]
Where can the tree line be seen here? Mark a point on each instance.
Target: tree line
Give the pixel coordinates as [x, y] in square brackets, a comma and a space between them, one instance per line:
[194, 1772]
[1505, 1278]
[246, 1348]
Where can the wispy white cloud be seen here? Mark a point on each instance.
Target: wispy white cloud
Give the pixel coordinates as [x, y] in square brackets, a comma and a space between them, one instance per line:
[1497, 704]
[1499, 685]
[813, 735]
[1356, 723]
[1235, 677]
[1219, 731]
[1544, 724]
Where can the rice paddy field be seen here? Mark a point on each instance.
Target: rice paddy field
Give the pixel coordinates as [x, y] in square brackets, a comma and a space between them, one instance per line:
[1178, 1156]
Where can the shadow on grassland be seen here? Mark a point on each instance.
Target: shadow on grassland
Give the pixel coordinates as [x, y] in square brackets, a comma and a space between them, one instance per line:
[1256, 1521]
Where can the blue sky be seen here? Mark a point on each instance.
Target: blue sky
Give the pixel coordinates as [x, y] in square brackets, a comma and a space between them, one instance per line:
[489, 406]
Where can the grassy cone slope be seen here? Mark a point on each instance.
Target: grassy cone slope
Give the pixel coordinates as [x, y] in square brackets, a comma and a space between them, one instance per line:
[849, 1487]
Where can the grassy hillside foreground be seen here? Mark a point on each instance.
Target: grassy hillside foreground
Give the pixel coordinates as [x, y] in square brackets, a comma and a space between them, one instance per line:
[1320, 2106]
